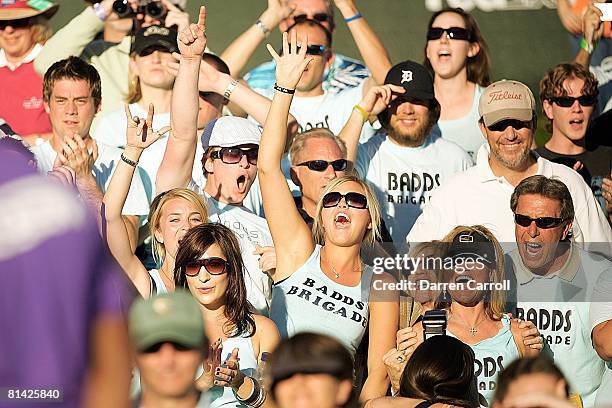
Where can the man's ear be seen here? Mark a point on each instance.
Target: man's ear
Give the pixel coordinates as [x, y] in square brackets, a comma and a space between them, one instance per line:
[547, 108]
[294, 177]
[208, 165]
[47, 109]
[566, 230]
[330, 58]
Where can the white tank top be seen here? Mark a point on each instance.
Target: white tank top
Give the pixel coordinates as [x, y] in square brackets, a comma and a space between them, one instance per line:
[224, 396]
[157, 283]
[309, 301]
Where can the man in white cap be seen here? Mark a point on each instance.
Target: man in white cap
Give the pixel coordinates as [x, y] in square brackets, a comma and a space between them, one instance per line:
[231, 146]
[481, 194]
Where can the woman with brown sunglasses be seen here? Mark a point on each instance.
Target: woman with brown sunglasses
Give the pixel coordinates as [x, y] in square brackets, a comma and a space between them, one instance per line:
[320, 283]
[209, 264]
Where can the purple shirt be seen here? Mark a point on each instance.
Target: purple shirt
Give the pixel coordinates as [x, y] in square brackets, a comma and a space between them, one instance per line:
[56, 279]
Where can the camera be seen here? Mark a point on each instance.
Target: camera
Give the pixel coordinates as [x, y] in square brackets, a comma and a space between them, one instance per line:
[152, 8]
[434, 323]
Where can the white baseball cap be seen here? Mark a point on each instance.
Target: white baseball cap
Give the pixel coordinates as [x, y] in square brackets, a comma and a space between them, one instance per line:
[229, 131]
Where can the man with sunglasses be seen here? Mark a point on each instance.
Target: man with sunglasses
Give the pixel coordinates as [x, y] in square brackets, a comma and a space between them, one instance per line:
[555, 280]
[168, 337]
[568, 93]
[480, 195]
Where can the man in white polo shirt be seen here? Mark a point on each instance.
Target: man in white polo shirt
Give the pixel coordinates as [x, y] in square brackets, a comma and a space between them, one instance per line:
[480, 195]
[555, 280]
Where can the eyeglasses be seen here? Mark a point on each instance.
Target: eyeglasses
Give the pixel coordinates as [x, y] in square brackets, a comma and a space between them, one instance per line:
[353, 200]
[214, 266]
[320, 17]
[454, 33]
[233, 155]
[322, 165]
[568, 101]
[541, 222]
[515, 123]
[21, 23]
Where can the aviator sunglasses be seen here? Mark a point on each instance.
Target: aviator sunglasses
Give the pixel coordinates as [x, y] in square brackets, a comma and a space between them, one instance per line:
[214, 266]
[568, 101]
[353, 200]
[233, 155]
[322, 165]
[454, 33]
[541, 222]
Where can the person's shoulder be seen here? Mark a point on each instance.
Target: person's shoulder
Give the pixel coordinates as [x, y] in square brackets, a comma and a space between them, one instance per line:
[450, 149]
[567, 175]
[265, 327]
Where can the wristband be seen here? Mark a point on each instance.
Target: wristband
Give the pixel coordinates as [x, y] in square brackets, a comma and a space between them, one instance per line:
[284, 90]
[362, 111]
[128, 161]
[355, 17]
[230, 88]
[588, 47]
[265, 30]
[100, 12]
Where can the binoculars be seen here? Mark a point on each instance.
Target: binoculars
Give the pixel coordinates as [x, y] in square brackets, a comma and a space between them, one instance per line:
[152, 8]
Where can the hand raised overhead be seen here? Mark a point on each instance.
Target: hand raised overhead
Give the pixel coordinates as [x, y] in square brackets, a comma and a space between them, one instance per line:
[192, 40]
[139, 132]
[291, 65]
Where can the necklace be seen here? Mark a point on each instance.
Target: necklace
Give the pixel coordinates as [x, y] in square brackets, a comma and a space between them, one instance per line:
[473, 329]
[336, 273]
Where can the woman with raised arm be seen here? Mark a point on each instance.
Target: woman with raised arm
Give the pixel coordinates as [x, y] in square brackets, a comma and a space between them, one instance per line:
[209, 264]
[172, 213]
[320, 284]
[457, 56]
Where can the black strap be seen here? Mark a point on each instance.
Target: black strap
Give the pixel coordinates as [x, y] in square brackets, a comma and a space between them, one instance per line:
[424, 404]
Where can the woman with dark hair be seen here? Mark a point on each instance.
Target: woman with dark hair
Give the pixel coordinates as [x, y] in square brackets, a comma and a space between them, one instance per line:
[457, 56]
[320, 282]
[209, 264]
[311, 370]
[439, 373]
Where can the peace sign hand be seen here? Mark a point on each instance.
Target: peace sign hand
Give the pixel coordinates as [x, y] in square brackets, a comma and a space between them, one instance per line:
[192, 40]
[291, 65]
[139, 133]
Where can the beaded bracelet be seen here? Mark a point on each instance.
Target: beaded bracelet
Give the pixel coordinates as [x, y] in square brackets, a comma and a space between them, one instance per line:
[128, 161]
[284, 90]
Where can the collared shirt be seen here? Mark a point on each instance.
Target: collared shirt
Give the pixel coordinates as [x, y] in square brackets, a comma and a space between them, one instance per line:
[478, 197]
[4, 62]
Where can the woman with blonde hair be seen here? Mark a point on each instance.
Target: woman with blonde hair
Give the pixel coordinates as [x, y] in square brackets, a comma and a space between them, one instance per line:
[23, 32]
[171, 215]
[321, 284]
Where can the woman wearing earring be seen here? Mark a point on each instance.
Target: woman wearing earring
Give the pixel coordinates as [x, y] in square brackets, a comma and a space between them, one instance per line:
[171, 213]
[457, 56]
[476, 312]
[209, 264]
[320, 284]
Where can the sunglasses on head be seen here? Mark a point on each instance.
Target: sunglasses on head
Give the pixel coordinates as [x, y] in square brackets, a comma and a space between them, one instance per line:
[454, 33]
[568, 101]
[541, 222]
[214, 266]
[233, 155]
[21, 23]
[353, 200]
[322, 165]
[515, 123]
[320, 17]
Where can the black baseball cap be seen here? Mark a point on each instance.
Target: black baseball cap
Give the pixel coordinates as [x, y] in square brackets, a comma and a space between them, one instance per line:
[155, 36]
[415, 79]
[472, 244]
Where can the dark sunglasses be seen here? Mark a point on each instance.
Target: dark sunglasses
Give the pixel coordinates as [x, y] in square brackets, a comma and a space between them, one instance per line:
[21, 23]
[541, 222]
[320, 17]
[354, 200]
[516, 124]
[233, 155]
[311, 49]
[150, 50]
[322, 165]
[568, 101]
[156, 347]
[214, 266]
[454, 33]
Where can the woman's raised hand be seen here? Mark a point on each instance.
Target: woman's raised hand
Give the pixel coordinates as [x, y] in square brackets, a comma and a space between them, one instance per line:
[192, 40]
[291, 64]
[139, 132]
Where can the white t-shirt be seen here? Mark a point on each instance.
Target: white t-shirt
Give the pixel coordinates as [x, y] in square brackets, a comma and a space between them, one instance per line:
[330, 111]
[478, 197]
[558, 304]
[251, 230]
[110, 130]
[464, 131]
[136, 202]
[601, 311]
[404, 178]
